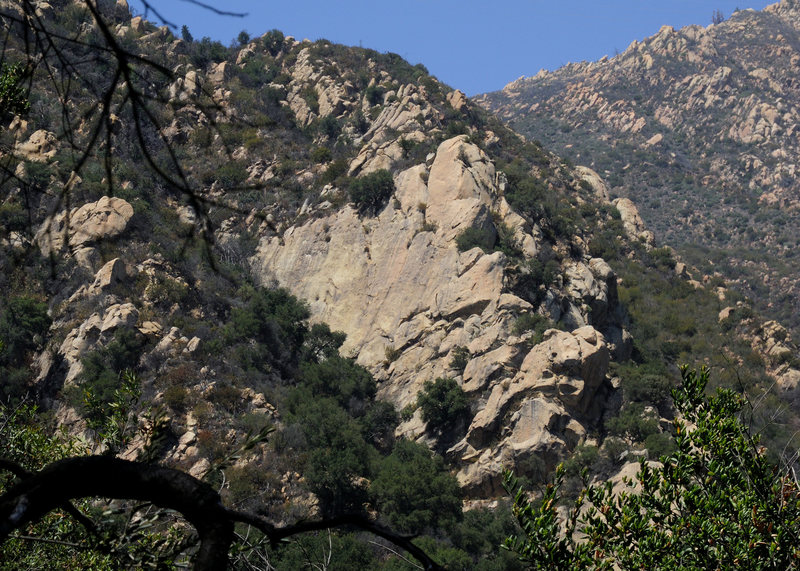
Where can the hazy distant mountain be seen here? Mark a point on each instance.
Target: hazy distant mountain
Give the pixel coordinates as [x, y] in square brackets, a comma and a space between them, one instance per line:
[699, 127]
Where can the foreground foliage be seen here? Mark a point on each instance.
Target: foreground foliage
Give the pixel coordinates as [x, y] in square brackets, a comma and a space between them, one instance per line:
[715, 503]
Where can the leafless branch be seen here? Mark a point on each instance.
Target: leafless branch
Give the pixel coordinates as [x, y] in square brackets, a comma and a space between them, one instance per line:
[101, 476]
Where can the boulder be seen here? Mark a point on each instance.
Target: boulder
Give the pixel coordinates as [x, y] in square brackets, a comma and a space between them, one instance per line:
[457, 100]
[593, 179]
[97, 328]
[565, 366]
[40, 147]
[92, 222]
[460, 187]
[632, 221]
[480, 369]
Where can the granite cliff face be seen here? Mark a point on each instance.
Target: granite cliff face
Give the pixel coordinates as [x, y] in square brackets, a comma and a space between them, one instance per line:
[397, 283]
[698, 127]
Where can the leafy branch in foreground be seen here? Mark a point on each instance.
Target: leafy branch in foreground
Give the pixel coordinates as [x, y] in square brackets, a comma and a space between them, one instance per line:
[717, 502]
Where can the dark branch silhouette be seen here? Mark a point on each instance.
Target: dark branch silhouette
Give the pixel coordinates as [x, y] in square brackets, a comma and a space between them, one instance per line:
[101, 476]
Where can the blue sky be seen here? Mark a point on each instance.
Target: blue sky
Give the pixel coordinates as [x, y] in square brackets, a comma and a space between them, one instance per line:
[475, 46]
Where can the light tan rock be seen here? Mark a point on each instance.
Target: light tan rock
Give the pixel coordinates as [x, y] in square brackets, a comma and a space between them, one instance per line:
[111, 274]
[460, 187]
[119, 315]
[138, 25]
[457, 100]
[401, 116]
[565, 366]
[106, 218]
[622, 480]
[200, 468]
[40, 147]
[479, 369]
[220, 73]
[412, 190]
[192, 345]
[593, 179]
[654, 140]
[540, 430]
[150, 328]
[632, 221]
[97, 328]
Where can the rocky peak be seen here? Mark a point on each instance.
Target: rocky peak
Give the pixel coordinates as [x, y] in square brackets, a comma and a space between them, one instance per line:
[707, 112]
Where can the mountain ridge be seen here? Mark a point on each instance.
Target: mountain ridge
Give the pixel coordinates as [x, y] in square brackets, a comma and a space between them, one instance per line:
[697, 127]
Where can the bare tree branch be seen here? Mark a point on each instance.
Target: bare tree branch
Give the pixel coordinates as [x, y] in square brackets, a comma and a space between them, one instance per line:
[101, 476]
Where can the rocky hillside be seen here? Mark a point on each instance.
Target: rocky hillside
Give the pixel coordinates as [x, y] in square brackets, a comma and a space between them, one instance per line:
[328, 241]
[698, 127]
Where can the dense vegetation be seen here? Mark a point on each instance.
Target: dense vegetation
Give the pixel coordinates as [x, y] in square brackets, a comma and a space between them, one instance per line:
[715, 502]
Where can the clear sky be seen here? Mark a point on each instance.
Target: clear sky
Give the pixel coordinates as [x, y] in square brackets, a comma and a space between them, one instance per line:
[475, 46]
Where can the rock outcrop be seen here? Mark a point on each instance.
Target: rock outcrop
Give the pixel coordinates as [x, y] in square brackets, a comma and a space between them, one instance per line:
[39, 147]
[81, 227]
[543, 411]
[396, 283]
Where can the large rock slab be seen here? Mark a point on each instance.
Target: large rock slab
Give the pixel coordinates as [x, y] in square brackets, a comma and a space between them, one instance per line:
[568, 367]
[106, 218]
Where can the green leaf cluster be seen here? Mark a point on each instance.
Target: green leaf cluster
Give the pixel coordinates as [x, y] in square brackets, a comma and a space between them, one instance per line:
[23, 325]
[443, 403]
[13, 96]
[716, 502]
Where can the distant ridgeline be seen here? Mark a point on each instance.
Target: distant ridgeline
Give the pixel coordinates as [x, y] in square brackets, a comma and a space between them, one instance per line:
[699, 128]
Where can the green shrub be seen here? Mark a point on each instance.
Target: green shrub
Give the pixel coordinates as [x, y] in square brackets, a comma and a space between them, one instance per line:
[717, 502]
[443, 403]
[531, 322]
[648, 383]
[633, 422]
[392, 354]
[658, 445]
[460, 358]
[102, 370]
[339, 378]
[415, 491]
[207, 51]
[226, 396]
[270, 329]
[336, 457]
[176, 397]
[379, 423]
[311, 97]
[273, 41]
[374, 94]
[13, 96]
[329, 126]
[13, 217]
[472, 237]
[505, 239]
[372, 191]
[321, 155]
[23, 325]
[232, 174]
[334, 170]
